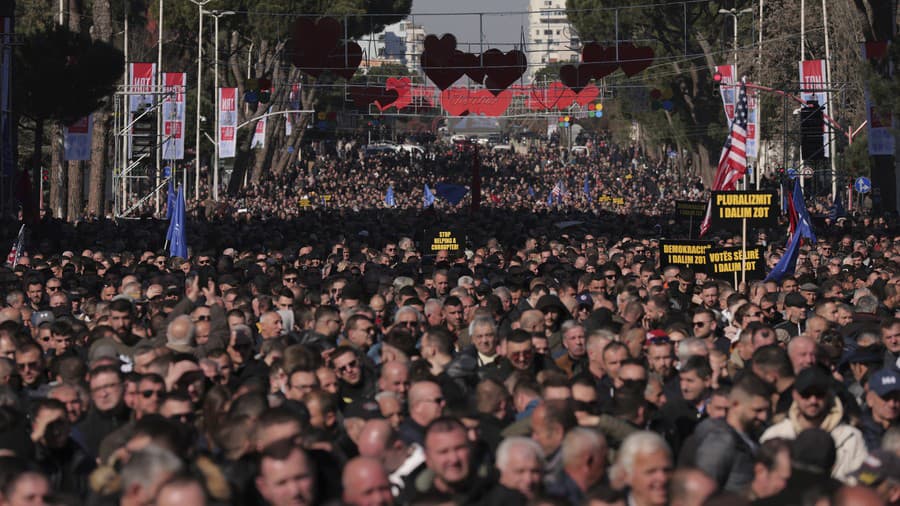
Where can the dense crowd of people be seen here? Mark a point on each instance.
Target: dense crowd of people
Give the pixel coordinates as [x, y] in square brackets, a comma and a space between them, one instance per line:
[352, 175]
[327, 357]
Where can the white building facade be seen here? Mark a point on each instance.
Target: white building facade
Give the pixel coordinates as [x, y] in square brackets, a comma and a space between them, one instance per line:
[551, 38]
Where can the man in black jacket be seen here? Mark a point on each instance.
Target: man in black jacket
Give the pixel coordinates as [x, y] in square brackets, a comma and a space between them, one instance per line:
[107, 411]
[724, 448]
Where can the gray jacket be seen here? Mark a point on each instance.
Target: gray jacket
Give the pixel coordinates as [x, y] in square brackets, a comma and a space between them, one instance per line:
[719, 451]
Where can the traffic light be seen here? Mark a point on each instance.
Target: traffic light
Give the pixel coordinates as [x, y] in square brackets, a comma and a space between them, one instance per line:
[717, 82]
[812, 122]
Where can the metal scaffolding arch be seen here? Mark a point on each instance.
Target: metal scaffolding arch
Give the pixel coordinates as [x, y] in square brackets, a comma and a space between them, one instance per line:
[135, 179]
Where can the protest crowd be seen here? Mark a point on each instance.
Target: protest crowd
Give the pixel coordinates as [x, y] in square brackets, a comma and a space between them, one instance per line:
[329, 355]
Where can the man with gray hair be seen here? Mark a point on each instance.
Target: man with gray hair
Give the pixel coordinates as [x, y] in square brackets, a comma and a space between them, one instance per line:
[145, 472]
[584, 454]
[180, 335]
[521, 464]
[644, 465]
[691, 347]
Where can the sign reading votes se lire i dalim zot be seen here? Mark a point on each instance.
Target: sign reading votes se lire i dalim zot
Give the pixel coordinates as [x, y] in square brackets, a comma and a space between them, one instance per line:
[724, 262]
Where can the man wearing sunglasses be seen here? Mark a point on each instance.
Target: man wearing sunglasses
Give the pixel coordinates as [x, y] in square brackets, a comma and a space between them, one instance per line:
[815, 405]
[356, 381]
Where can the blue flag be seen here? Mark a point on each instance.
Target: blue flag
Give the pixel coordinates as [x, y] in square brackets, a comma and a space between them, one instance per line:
[429, 197]
[452, 193]
[587, 187]
[803, 230]
[178, 240]
[550, 199]
[170, 198]
[530, 191]
[389, 199]
[837, 209]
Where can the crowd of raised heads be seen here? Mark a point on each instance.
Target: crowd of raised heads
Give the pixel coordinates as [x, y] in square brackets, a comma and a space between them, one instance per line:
[292, 364]
[349, 175]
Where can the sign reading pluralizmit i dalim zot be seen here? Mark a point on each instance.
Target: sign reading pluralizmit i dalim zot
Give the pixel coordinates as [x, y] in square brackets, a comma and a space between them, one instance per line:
[759, 208]
[690, 208]
[691, 254]
[724, 262]
[443, 239]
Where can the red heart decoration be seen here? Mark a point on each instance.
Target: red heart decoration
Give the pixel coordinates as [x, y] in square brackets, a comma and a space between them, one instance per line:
[403, 88]
[463, 101]
[441, 61]
[541, 99]
[599, 60]
[345, 59]
[364, 95]
[502, 69]
[575, 77]
[455, 101]
[587, 95]
[566, 97]
[312, 42]
[633, 59]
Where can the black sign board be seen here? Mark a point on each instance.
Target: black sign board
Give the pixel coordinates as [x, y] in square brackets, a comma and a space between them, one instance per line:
[723, 263]
[690, 209]
[691, 254]
[438, 239]
[759, 208]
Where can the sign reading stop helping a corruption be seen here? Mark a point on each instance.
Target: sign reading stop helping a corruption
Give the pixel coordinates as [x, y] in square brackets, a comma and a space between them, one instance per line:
[691, 254]
[723, 263]
[438, 239]
[759, 208]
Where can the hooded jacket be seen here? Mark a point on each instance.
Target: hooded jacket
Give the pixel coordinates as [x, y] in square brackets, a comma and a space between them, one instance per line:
[851, 447]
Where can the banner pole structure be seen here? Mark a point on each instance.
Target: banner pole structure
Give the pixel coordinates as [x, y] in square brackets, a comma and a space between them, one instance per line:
[743, 252]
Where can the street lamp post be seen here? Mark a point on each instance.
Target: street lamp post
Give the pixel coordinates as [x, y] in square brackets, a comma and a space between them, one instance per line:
[199, 4]
[735, 14]
[215, 175]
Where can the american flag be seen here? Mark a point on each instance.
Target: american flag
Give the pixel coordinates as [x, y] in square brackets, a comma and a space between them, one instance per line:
[557, 190]
[15, 253]
[733, 162]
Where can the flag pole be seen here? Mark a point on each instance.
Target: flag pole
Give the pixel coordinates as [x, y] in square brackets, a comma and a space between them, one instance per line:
[743, 252]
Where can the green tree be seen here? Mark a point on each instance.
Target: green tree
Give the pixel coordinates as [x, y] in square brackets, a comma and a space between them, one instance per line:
[548, 74]
[687, 39]
[56, 56]
[258, 38]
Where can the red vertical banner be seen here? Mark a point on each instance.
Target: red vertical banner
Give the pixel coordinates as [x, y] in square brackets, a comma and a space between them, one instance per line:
[142, 79]
[227, 122]
[259, 135]
[727, 89]
[813, 88]
[173, 114]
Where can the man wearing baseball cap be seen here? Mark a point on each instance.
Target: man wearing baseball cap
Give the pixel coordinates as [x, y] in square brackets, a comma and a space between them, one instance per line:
[794, 314]
[883, 400]
[815, 405]
[881, 472]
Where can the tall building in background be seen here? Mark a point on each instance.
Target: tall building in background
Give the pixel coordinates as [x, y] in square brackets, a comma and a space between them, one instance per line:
[401, 42]
[551, 39]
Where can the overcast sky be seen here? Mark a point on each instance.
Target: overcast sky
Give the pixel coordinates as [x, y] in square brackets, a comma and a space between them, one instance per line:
[500, 31]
